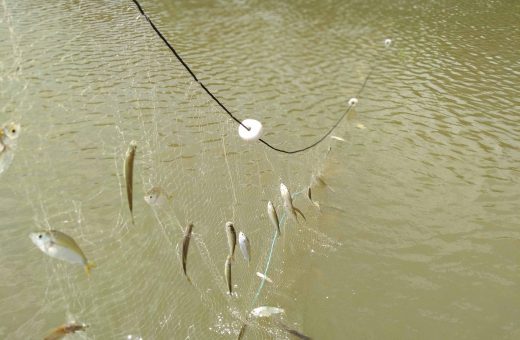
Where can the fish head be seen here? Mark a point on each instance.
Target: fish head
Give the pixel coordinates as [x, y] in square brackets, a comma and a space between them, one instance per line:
[42, 239]
[229, 225]
[11, 130]
[241, 236]
[152, 196]
[132, 145]
[270, 206]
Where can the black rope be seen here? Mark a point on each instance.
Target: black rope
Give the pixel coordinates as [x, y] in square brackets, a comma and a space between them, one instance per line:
[222, 105]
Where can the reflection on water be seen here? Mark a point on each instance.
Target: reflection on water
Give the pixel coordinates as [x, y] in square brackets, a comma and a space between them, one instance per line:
[417, 238]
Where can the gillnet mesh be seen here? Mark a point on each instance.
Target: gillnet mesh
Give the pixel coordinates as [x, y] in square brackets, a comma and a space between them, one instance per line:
[86, 78]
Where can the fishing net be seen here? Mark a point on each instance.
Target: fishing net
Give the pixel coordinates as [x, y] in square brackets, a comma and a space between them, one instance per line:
[84, 78]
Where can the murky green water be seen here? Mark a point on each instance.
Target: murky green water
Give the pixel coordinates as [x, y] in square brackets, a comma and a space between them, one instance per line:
[418, 235]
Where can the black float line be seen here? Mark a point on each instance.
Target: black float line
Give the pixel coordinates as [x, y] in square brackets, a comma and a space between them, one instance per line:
[215, 99]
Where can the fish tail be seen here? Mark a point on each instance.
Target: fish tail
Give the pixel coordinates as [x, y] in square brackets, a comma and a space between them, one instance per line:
[89, 266]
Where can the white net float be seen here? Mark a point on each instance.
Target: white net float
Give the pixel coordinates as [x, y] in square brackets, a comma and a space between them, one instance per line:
[255, 130]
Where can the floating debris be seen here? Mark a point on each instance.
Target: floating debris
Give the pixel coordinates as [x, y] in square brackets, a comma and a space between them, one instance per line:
[360, 126]
[338, 138]
[262, 276]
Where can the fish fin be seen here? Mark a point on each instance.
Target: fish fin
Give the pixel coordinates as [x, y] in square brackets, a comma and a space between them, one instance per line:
[89, 266]
[300, 212]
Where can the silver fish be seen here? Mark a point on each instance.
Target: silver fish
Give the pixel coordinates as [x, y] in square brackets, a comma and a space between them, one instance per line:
[290, 209]
[68, 328]
[245, 246]
[9, 133]
[273, 216]
[227, 273]
[61, 246]
[315, 203]
[6, 157]
[231, 238]
[129, 174]
[185, 245]
[156, 197]
[266, 311]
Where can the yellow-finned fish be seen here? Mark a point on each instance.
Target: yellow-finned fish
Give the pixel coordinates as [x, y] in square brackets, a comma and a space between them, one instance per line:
[68, 328]
[156, 197]
[231, 239]
[129, 174]
[185, 245]
[245, 246]
[290, 209]
[227, 273]
[61, 246]
[273, 216]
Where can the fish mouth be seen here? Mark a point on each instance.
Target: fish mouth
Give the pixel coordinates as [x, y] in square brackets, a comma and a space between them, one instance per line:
[34, 238]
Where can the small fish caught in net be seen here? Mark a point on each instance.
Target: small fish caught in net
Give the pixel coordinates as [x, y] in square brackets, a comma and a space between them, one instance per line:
[127, 166]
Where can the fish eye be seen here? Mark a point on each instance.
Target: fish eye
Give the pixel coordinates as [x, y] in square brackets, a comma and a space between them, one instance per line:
[40, 236]
[13, 130]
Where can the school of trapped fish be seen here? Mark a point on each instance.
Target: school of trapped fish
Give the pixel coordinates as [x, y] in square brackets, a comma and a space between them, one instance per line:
[61, 246]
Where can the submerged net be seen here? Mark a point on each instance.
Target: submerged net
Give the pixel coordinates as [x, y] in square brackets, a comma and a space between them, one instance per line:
[86, 78]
